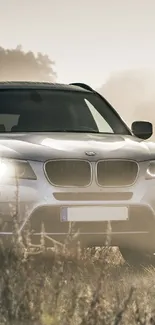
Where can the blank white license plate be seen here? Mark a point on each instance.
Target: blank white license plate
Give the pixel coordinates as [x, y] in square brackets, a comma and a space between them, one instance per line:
[93, 213]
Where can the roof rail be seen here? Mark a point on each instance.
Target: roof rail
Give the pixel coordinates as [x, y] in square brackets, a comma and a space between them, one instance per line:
[82, 85]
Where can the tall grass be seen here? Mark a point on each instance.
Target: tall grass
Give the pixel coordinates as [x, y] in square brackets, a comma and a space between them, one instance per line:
[64, 286]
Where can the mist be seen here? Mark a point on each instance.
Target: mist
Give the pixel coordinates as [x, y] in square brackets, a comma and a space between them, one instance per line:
[131, 93]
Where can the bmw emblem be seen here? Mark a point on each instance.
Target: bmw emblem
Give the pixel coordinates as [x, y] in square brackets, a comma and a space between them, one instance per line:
[90, 153]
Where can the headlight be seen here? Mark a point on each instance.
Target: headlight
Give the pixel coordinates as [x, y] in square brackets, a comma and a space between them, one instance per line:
[17, 169]
[150, 173]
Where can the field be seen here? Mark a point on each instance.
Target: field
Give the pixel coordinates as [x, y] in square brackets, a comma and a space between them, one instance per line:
[65, 287]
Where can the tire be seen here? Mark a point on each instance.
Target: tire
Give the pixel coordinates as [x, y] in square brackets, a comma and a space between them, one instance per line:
[137, 258]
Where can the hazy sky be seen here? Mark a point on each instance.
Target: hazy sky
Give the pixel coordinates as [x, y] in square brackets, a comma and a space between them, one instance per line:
[88, 39]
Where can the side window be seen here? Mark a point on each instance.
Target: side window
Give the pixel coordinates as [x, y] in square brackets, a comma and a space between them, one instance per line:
[102, 125]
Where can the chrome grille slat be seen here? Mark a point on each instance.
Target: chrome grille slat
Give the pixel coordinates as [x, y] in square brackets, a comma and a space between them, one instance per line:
[116, 173]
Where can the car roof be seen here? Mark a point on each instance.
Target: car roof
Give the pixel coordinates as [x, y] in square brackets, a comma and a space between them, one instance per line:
[39, 85]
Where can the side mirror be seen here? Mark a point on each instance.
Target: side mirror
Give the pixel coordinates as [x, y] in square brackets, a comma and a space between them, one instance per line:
[142, 129]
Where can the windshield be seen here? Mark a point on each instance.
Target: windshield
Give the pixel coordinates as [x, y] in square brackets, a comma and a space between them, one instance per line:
[56, 111]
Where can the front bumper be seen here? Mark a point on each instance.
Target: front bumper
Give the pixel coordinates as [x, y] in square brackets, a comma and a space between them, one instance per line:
[38, 202]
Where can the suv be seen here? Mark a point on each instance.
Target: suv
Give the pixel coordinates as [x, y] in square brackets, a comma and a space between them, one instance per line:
[67, 158]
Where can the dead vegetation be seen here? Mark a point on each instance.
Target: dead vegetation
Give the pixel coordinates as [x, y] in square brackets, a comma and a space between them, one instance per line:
[64, 286]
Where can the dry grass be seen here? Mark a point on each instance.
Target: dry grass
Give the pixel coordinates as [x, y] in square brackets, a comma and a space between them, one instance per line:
[69, 287]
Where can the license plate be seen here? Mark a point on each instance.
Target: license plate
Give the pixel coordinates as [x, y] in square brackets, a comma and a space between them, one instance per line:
[93, 213]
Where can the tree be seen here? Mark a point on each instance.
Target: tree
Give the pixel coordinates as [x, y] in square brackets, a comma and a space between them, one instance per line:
[17, 65]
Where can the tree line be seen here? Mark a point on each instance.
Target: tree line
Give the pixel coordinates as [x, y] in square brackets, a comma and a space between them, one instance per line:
[17, 65]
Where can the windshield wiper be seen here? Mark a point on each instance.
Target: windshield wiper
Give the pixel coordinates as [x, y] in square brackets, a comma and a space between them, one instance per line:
[79, 130]
[87, 130]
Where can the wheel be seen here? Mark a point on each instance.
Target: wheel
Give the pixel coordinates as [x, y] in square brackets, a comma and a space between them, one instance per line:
[137, 258]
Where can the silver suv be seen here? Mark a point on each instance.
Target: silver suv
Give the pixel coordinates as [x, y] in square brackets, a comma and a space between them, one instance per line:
[67, 157]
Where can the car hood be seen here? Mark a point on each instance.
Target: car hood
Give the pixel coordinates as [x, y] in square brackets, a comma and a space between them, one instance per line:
[44, 146]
